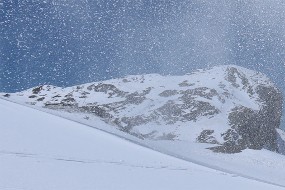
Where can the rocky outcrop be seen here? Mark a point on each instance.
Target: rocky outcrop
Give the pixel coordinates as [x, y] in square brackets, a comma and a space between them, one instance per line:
[257, 129]
[231, 107]
[254, 129]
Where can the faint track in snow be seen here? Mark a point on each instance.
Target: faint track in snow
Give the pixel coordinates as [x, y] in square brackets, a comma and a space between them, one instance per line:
[87, 161]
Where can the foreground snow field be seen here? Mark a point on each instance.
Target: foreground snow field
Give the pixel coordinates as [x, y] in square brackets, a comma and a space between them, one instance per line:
[42, 151]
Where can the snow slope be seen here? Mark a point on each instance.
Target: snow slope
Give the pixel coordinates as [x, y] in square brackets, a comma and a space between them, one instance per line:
[42, 151]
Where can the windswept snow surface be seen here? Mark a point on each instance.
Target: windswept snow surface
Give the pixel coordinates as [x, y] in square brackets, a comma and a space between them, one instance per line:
[42, 151]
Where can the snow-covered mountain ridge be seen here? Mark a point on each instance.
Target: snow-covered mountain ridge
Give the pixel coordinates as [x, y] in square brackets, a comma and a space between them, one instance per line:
[230, 106]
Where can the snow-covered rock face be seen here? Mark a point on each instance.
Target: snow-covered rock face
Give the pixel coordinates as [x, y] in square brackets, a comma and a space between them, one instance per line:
[230, 106]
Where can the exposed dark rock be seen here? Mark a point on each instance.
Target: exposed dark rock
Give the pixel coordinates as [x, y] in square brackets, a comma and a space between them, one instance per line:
[137, 97]
[206, 137]
[85, 93]
[41, 99]
[51, 104]
[56, 96]
[32, 96]
[6, 95]
[37, 89]
[126, 80]
[68, 102]
[200, 108]
[97, 110]
[233, 74]
[233, 143]
[106, 88]
[201, 92]
[226, 149]
[168, 93]
[257, 129]
[231, 138]
[69, 95]
[170, 112]
[186, 84]
[130, 122]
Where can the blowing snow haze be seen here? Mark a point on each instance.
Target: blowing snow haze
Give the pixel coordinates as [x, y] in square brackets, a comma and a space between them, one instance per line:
[67, 42]
[124, 94]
